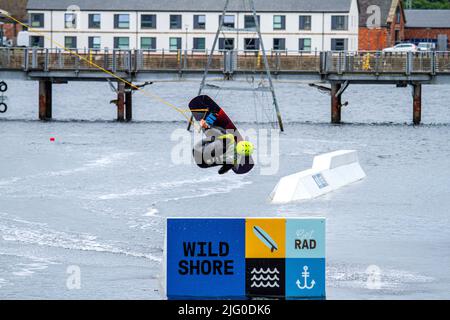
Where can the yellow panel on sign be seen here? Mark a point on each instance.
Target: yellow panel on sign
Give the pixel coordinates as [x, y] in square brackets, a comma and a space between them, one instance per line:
[265, 238]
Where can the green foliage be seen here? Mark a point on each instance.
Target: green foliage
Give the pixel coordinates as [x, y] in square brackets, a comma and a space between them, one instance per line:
[431, 4]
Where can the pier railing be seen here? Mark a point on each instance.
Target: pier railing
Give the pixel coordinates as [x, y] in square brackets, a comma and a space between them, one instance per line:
[132, 61]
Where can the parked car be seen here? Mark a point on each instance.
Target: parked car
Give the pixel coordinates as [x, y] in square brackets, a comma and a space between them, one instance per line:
[426, 46]
[402, 47]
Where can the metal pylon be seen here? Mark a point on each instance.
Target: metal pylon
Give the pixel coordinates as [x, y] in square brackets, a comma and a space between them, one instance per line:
[264, 55]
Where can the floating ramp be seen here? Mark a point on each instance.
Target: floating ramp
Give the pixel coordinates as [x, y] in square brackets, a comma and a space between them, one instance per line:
[329, 172]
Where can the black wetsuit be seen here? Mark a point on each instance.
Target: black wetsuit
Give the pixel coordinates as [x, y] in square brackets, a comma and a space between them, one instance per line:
[215, 150]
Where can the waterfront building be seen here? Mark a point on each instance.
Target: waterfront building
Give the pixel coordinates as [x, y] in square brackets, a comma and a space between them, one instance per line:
[173, 25]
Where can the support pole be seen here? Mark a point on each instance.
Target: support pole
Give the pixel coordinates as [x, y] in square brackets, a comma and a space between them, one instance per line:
[417, 103]
[267, 67]
[120, 101]
[45, 100]
[336, 103]
[210, 57]
[128, 103]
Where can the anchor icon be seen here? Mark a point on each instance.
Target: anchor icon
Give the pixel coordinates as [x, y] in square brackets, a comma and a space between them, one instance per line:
[305, 275]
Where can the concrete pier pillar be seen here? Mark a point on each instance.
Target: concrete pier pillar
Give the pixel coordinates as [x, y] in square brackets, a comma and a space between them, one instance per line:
[121, 101]
[128, 103]
[336, 103]
[45, 100]
[417, 103]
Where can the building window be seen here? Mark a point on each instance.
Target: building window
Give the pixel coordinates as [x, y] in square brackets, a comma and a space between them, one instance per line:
[199, 44]
[339, 44]
[228, 21]
[249, 21]
[339, 22]
[37, 20]
[121, 21]
[279, 44]
[148, 43]
[305, 22]
[174, 44]
[304, 45]
[70, 20]
[148, 21]
[199, 21]
[175, 21]
[398, 15]
[397, 37]
[279, 22]
[251, 44]
[122, 43]
[94, 43]
[70, 42]
[94, 21]
[36, 42]
[226, 44]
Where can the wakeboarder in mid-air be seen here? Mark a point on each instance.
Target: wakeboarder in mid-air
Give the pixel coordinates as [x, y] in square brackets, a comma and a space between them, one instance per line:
[223, 145]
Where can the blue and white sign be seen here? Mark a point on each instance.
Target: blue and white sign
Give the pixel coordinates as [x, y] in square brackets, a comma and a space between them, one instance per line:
[246, 258]
[205, 258]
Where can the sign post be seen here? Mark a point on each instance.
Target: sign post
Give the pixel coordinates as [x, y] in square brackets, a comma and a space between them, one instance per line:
[280, 258]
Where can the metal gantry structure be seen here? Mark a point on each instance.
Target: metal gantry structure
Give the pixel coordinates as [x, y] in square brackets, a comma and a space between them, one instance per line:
[257, 30]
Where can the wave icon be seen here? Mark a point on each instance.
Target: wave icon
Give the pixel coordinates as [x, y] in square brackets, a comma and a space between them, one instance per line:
[265, 285]
[265, 278]
[268, 270]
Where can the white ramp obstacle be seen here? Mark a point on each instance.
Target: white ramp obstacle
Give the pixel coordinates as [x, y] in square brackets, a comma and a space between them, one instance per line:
[329, 172]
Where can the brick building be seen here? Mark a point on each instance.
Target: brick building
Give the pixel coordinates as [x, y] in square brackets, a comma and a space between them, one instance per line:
[428, 26]
[10, 30]
[18, 9]
[389, 30]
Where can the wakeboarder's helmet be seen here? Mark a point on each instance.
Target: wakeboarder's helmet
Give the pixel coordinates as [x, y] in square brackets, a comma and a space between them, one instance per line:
[245, 148]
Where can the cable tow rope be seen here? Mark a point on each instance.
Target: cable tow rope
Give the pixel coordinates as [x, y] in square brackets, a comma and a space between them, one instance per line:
[112, 74]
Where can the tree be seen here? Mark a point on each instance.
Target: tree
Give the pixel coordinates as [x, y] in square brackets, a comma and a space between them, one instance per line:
[17, 8]
[431, 4]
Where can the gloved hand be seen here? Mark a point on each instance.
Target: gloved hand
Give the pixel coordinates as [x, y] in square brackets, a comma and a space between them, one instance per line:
[210, 119]
[203, 124]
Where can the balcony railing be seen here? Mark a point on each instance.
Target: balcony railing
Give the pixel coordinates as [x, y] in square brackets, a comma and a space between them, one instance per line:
[132, 61]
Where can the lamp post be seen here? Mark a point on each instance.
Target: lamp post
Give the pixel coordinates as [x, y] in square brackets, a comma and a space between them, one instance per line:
[186, 41]
[409, 4]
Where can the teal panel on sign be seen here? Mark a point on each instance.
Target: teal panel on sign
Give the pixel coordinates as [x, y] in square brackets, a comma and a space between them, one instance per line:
[305, 238]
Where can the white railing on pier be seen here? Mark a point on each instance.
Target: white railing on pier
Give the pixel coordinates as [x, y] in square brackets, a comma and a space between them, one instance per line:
[339, 62]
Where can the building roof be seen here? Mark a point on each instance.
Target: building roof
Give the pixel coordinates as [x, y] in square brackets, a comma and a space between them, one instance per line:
[427, 18]
[195, 5]
[387, 9]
